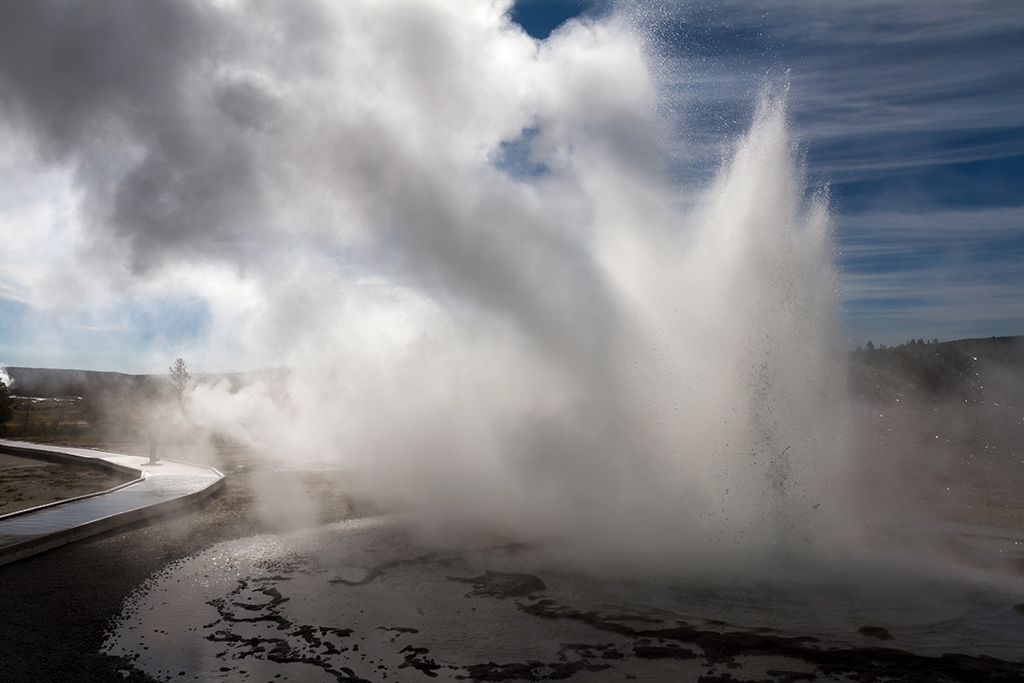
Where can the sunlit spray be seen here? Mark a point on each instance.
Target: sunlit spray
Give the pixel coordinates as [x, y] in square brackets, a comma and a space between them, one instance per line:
[575, 356]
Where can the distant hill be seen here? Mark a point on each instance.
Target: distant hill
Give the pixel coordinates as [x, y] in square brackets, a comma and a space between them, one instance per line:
[1008, 350]
[52, 383]
[84, 406]
[985, 370]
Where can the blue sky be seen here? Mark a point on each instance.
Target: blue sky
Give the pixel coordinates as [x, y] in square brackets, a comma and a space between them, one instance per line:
[910, 114]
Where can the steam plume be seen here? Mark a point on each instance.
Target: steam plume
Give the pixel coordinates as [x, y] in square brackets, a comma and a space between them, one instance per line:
[557, 345]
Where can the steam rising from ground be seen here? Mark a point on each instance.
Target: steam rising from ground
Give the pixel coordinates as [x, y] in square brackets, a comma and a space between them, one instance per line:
[497, 309]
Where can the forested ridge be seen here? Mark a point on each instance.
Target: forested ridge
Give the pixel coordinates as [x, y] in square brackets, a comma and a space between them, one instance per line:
[985, 370]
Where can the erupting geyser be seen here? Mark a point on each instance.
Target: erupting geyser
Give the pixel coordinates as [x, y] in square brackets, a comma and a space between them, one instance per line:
[578, 351]
[499, 306]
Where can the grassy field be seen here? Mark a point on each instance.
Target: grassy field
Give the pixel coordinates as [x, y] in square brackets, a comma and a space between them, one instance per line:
[49, 419]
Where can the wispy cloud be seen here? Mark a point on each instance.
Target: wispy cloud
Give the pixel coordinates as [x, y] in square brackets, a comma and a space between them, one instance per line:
[946, 274]
[857, 70]
[910, 112]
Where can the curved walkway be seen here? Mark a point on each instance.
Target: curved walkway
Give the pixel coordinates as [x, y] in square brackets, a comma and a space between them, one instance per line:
[166, 486]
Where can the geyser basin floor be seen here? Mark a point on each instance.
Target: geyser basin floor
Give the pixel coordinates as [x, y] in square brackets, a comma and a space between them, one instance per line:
[361, 601]
[159, 488]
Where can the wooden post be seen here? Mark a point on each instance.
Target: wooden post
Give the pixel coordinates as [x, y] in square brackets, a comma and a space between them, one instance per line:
[24, 427]
[60, 416]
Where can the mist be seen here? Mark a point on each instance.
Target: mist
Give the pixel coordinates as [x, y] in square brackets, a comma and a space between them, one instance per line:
[499, 311]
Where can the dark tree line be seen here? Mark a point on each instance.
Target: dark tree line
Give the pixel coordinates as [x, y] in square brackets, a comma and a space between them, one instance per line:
[6, 407]
[86, 406]
[934, 370]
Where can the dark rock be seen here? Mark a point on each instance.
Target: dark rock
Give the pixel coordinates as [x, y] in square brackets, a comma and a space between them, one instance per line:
[501, 586]
[875, 632]
[663, 652]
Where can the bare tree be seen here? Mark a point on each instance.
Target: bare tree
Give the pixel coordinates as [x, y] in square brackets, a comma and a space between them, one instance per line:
[180, 379]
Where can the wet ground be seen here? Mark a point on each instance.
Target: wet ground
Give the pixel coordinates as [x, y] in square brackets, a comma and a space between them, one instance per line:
[58, 606]
[363, 601]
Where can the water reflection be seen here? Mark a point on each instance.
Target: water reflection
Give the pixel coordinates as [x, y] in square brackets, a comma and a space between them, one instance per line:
[361, 600]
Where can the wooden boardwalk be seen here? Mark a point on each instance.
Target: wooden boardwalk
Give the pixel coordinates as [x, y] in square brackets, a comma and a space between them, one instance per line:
[157, 489]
